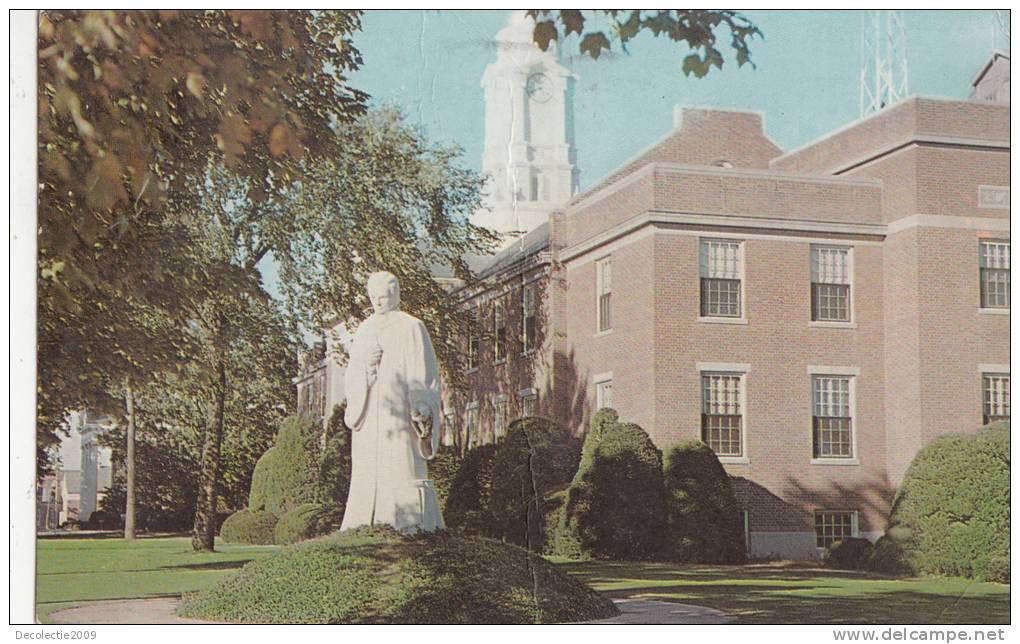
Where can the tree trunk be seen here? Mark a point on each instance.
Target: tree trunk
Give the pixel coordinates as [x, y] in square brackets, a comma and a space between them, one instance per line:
[204, 532]
[129, 510]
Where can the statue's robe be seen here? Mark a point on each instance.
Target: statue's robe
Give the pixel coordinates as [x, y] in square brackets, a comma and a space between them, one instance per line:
[389, 476]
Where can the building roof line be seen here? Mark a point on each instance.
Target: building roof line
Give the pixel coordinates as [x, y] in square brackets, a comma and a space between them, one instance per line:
[998, 53]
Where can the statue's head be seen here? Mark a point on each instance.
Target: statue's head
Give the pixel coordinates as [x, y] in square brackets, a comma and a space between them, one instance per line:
[383, 291]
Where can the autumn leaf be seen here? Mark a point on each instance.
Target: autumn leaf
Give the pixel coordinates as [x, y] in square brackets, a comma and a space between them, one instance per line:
[545, 33]
[593, 44]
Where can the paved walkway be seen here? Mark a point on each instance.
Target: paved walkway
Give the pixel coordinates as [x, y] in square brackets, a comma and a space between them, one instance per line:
[161, 611]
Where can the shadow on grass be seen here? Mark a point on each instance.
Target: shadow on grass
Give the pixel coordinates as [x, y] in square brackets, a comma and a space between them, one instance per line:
[212, 565]
[802, 595]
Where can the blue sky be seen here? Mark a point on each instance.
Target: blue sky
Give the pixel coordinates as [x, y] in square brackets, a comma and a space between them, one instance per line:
[430, 63]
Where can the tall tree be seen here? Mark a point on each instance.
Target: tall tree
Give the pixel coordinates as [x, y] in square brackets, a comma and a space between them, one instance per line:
[695, 28]
[131, 105]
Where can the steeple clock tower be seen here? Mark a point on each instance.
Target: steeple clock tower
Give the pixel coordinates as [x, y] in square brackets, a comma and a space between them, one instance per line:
[529, 132]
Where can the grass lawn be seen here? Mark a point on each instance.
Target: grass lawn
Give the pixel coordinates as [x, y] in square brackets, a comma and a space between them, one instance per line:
[797, 595]
[72, 570]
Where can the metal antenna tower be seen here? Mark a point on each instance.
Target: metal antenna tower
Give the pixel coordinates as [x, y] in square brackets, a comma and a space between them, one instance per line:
[884, 60]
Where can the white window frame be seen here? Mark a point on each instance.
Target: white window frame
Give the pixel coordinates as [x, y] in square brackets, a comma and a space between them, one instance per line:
[499, 413]
[600, 290]
[601, 380]
[853, 373]
[527, 342]
[499, 317]
[449, 426]
[981, 245]
[851, 269]
[525, 395]
[993, 370]
[727, 368]
[471, 424]
[742, 260]
[855, 526]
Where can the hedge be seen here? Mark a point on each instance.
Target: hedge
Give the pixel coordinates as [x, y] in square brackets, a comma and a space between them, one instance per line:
[467, 506]
[848, 554]
[701, 511]
[535, 456]
[615, 504]
[951, 513]
[334, 467]
[251, 527]
[306, 521]
[376, 575]
[442, 470]
[287, 475]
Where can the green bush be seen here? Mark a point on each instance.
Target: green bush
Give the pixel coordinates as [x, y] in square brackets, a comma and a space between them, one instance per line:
[306, 521]
[951, 513]
[535, 456]
[615, 505]
[849, 554]
[103, 520]
[888, 556]
[467, 507]
[246, 526]
[334, 470]
[702, 514]
[442, 470]
[376, 575]
[287, 475]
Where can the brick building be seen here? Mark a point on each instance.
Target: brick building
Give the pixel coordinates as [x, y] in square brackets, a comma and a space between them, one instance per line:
[815, 315]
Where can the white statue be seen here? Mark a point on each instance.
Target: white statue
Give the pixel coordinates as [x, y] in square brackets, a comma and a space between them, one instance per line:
[392, 387]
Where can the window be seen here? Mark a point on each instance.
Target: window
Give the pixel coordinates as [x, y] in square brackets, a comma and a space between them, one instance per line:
[449, 427]
[603, 394]
[472, 424]
[529, 404]
[994, 262]
[534, 188]
[831, 527]
[499, 416]
[528, 304]
[721, 413]
[604, 286]
[474, 341]
[831, 272]
[720, 267]
[832, 416]
[995, 388]
[499, 332]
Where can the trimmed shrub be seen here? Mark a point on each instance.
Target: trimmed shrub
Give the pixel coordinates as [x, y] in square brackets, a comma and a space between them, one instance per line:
[246, 526]
[887, 556]
[467, 506]
[615, 504]
[306, 521]
[287, 475]
[376, 575]
[442, 470]
[701, 511]
[848, 554]
[552, 508]
[334, 472]
[103, 520]
[534, 456]
[951, 513]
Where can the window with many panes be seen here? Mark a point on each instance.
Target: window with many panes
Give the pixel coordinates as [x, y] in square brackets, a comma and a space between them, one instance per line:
[603, 394]
[605, 293]
[722, 413]
[994, 263]
[499, 416]
[499, 332]
[833, 526]
[528, 305]
[529, 404]
[832, 416]
[449, 427]
[471, 426]
[995, 391]
[474, 340]
[720, 268]
[831, 273]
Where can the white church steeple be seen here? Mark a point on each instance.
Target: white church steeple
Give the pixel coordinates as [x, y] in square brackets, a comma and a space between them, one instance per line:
[529, 132]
